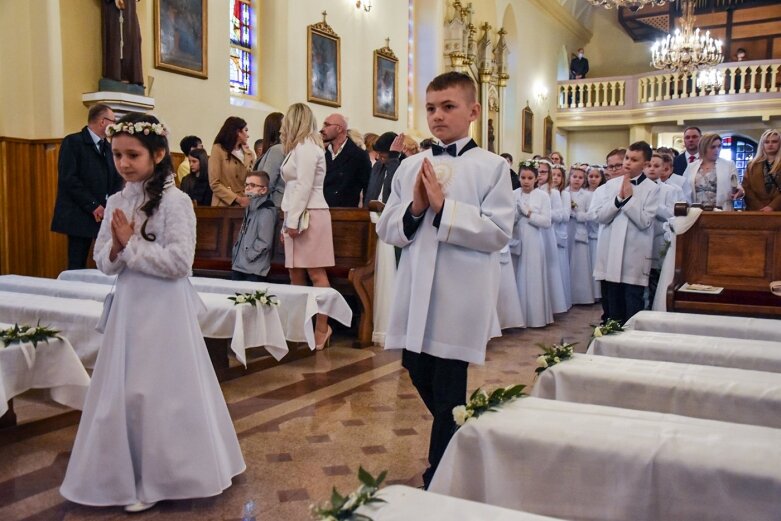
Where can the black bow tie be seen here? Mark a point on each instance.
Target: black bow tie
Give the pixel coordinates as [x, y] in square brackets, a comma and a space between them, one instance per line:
[439, 150]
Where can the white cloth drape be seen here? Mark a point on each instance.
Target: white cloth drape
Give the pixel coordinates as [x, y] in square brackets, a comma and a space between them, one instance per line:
[614, 464]
[384, 280]
[678, 226]
[709, 325]
[698, 391]
[52, 365]
[756, 355]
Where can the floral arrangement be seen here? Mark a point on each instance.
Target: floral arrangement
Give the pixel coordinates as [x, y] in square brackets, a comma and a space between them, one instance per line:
[573, 205]
[481, 402]
[552, 355]
[141, 127]
[608, 328]
[342, 508]
[20, 334]
[252, 299]
[529, 164]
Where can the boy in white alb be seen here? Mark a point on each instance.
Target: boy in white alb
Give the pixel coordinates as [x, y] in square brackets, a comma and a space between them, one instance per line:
[625, 244]
[451, 210]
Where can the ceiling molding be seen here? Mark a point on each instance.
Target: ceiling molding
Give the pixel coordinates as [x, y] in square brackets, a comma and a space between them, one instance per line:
[563, 16]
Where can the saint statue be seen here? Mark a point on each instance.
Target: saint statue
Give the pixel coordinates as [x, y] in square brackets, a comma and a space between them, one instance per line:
[491, 136]
[121, 36]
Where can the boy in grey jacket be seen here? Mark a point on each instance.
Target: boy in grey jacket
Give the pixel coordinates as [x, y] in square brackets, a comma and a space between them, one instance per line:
[252, 251]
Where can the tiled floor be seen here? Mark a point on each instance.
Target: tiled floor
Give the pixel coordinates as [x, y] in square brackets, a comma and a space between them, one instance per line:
[304, 427]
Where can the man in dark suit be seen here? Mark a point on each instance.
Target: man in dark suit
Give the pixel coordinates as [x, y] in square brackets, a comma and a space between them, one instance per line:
[578, 67]
[347, 166]
[86, 177]
[388, 147]
[691, 141]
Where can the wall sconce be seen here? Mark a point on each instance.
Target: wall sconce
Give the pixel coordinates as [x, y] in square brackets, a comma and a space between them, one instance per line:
[541, 94]
[366, 5]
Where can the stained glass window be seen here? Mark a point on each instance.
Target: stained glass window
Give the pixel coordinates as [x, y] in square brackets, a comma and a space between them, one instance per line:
[241, 29]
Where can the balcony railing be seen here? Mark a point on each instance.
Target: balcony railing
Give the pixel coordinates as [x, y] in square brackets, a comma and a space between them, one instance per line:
[632, 92]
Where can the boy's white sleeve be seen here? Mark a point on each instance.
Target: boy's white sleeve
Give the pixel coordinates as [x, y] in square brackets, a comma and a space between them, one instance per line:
[487, 227]
[102, 250]
[642, 211]
[175, 258]
[390, 227]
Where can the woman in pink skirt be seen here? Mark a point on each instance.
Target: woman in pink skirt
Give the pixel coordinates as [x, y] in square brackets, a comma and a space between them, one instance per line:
[309, 245]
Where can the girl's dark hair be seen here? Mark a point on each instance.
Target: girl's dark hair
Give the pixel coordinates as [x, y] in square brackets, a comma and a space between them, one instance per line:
[154, 185]
[228, 134]
[203, 160]
[528, 167]
[271, 127]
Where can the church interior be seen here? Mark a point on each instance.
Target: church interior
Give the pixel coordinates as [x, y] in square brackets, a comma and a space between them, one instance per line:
[694, 376]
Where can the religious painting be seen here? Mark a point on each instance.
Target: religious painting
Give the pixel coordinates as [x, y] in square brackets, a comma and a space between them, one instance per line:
[180, 36]
[324, 83]
[386, 76]
[547, 146]
[527, 130]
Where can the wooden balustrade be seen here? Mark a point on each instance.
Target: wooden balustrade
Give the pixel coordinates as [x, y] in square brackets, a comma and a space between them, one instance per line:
[630, 92]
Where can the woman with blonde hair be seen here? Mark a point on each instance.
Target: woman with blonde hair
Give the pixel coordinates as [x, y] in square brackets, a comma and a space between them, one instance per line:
[762, 181]
[711, 180]
[309, 245]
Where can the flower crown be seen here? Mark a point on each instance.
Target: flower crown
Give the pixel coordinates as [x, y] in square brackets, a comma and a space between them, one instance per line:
[529, 163]
[140, 127]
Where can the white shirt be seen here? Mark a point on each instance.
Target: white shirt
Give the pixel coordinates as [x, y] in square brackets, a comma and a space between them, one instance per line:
[341, 147]
[95, 138]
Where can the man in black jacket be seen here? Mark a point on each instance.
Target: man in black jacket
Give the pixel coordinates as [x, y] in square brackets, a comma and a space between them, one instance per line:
[578, 67]
[691, 142]
[347, 166]
[86, 177]
[388, 147]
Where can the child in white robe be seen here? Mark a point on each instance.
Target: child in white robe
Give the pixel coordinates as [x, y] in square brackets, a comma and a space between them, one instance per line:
[581, 271]
[560, 215]
[451, 211]
[155, 425]
[596, 178]
[555, 282]
[533, 214]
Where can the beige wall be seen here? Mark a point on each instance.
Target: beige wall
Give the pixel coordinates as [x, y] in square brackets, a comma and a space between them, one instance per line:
[610, 40]
[591, 146]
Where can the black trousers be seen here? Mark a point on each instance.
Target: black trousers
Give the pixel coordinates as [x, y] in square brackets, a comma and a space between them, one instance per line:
[441, 384]
[623, 300]
[603, 300]
[653, 283]
[249, 277]
[78, 251]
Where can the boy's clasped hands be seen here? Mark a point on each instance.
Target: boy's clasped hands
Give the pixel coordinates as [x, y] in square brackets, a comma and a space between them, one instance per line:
[427, 192]
[626, 187]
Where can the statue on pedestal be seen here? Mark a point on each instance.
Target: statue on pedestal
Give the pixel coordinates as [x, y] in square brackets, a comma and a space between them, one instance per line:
[121, 37]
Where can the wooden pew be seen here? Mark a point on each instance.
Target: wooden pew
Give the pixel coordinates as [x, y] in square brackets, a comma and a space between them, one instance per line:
[739, 251]
[355, 244]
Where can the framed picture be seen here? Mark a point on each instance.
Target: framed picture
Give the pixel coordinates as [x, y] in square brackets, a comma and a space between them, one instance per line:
[527, 130]
[323, 62]
[548, 137]
[386, 83]
[180, 36]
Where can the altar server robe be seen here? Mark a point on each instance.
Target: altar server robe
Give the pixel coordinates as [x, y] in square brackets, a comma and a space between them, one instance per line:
[625, 243]
[669, 194]
[447, 281]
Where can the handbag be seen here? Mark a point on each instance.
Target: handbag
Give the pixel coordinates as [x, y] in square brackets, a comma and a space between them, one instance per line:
[303, 222]
[100, 327]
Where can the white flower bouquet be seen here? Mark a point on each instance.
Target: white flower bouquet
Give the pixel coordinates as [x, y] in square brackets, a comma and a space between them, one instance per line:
[552, 355]
[17, 334]
[259, 296]
[481, 402]
[342, 508]
[608, 328]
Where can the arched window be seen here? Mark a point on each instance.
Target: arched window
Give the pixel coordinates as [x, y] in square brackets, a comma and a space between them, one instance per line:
[242, 27]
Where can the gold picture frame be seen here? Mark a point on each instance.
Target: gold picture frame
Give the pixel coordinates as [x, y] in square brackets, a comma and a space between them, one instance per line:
[385, 94]
[527, 130]
[323, 65]
[547, 141]
[181, 37]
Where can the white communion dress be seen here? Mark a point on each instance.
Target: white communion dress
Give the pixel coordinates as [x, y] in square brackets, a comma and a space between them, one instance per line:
[553, 273]
[155, 425]
[532, 276]
[581, 267]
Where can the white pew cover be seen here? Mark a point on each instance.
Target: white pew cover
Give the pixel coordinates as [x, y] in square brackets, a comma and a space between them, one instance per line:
[590, 462]
[710, 325]
[738, 353]
[699, 391]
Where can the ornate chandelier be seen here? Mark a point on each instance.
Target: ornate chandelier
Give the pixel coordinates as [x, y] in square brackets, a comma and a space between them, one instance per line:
[632, 5]
[686, 51]
[710, 79]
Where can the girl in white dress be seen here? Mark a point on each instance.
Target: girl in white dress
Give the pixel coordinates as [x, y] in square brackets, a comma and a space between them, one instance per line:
[533, 218]
[596, 178]
[581, 271]
[555, 282]
[560, 212]
[155, 425]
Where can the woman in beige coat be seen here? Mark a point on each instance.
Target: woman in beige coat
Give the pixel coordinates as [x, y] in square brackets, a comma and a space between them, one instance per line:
[230, 161]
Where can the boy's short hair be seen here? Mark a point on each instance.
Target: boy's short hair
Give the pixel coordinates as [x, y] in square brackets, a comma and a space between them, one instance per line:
[188, 143]
[454, 79]
[642, 146]
[667, 159]
[263, 176]
[616, 152]
[507, 156]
